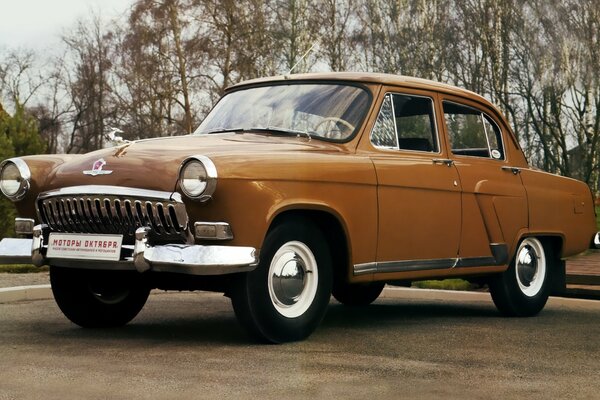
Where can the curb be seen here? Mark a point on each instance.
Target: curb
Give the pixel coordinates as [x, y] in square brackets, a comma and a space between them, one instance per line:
[20, 293]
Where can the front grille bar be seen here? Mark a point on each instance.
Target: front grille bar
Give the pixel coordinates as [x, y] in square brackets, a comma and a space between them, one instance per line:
[109, 209]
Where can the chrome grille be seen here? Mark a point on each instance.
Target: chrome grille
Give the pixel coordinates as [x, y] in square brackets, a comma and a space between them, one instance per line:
[114, 210]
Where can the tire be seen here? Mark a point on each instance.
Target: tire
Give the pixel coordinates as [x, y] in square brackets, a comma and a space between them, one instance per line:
[98, 299]
[523, 289]
[361, 294]
[285, 298]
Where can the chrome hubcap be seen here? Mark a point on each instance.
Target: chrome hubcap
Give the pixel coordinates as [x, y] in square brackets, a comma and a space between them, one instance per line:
[293, 278]
[530, 266]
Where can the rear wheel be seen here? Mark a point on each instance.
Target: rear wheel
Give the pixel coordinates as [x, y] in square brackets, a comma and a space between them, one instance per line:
[360, 294]
[98, 299]
[523, 289]
[286, 296]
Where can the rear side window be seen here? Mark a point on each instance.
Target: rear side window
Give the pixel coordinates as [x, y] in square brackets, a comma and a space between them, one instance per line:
[472, 133]
[405, 122]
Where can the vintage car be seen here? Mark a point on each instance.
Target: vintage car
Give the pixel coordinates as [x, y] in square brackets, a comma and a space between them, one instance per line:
[295, 188]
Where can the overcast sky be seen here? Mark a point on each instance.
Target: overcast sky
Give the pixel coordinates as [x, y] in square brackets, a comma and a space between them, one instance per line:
[38, 24]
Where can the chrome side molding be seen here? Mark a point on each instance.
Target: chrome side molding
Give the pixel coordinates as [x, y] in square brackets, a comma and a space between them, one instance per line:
[499, 257]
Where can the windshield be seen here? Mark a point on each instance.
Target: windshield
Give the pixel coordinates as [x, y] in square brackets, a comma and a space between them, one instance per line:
[329, 111]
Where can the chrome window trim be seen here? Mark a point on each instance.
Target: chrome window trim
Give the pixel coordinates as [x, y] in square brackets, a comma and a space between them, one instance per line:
[492, 122]
[397, 148]
[395, 123]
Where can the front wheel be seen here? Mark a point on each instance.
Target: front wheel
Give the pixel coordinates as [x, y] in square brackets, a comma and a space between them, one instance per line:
[523, 289]
[286, 296]
[98, 299]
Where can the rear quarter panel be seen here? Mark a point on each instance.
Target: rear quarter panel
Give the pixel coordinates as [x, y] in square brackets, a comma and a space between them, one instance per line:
[562, 207]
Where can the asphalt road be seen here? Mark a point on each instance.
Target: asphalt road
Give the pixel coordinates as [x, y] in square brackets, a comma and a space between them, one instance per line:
[189, 346]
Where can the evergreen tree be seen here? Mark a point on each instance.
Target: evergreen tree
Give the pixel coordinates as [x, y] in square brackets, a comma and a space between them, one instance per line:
[19, 136]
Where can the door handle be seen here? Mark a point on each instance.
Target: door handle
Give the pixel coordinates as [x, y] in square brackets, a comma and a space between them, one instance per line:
[514, 170]
[443, 161]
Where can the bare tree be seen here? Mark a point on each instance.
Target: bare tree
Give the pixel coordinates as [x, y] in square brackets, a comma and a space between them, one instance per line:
[20, 77]
[407, 37]
[159, 60]
[337, 21]
[295, 31]
[87, 82]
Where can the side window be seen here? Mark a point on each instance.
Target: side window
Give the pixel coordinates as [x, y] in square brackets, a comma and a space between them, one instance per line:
[472, 133]
[384, 131]
[405, 123]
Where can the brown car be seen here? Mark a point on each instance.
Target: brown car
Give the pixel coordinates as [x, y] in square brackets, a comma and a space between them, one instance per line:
[295, 188]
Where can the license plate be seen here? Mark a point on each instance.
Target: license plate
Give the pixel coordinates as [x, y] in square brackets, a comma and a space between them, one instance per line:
[84, 246]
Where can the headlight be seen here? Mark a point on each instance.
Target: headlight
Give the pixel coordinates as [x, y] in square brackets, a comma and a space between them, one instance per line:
[14, 178]
[198, 177]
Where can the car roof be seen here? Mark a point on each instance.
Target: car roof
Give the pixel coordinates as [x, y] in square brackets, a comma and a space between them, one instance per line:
[368, 77]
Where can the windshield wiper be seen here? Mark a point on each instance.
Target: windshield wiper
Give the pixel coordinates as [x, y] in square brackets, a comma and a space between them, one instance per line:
[282, 131]
[224, 130]
[274, 130]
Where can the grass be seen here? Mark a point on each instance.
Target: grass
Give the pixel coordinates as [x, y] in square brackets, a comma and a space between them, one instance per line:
[598, 217]
[446, 284]
[21, 269]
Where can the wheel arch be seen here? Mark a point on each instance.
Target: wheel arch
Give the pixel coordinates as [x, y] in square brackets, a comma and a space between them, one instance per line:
[553, 241]
[334, 229]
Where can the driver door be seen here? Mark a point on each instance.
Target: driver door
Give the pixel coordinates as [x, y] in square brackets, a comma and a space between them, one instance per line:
[418, 189]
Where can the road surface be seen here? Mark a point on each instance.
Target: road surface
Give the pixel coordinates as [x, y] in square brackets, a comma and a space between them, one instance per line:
[189, 345]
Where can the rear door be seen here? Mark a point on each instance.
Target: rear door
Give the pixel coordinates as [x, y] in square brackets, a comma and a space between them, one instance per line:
[494, 202]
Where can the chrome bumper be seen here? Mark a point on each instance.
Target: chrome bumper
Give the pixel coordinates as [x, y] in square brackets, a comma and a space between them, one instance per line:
[178, 258]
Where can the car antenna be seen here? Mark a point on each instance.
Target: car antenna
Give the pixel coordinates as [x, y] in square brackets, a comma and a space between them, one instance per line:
[287, 76]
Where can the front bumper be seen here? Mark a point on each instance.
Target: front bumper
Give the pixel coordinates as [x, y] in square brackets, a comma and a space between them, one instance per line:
[177, 258]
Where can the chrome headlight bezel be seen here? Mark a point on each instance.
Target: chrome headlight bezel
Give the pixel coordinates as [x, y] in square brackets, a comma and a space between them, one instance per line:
[24, 178]
[202, 176]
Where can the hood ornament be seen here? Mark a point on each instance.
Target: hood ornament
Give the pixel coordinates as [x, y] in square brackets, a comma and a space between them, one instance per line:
[97, 168]
[113, 137]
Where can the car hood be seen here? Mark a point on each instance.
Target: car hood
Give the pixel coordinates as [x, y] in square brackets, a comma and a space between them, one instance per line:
[154, 163]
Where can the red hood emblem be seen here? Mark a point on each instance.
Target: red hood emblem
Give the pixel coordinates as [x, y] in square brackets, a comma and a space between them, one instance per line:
[97, 168]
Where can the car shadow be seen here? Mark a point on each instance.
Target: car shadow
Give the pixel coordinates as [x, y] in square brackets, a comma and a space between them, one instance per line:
[205, 327]
[386, 314]
[205, 330]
